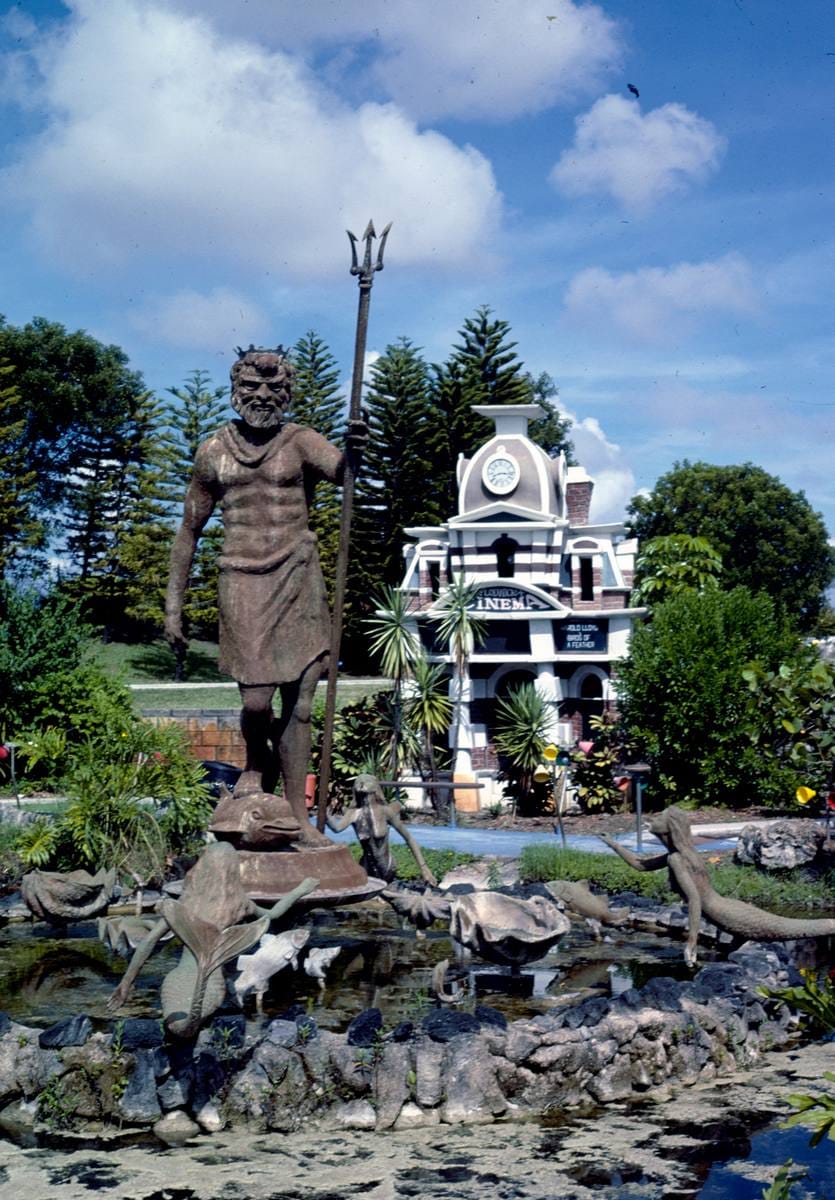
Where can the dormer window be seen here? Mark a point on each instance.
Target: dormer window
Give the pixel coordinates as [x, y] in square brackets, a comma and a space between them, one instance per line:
[586, 579]
[505, 549]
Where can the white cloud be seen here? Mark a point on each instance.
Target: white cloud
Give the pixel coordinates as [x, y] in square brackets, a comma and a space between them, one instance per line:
[614, 481]
[637, 159]
[166, 142]
[215, 321]
[656, 303]
[471, 58]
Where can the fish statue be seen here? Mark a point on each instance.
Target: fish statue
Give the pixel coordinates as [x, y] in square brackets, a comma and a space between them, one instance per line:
[255, 821]
[318, 960]
[275, 952]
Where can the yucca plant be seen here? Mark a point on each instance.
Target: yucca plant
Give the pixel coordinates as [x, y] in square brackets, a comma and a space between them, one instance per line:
[398, 647]
[522, 723]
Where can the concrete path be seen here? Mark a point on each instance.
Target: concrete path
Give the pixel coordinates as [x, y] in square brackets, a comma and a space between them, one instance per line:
[508, 843]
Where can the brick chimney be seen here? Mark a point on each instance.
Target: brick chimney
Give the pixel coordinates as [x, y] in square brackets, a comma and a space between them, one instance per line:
[578, 490]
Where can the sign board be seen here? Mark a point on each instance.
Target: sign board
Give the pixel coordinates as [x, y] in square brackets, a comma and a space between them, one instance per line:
[502, 599]
[582, 637]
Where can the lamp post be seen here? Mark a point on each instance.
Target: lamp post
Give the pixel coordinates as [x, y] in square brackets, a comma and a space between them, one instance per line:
[555, 759]
[638, 773]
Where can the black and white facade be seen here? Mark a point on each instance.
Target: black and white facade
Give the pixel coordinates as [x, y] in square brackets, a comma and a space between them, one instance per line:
[553, 590]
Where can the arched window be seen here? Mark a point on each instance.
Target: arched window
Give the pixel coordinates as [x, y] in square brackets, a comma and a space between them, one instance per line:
[591, 688]
[505, 549]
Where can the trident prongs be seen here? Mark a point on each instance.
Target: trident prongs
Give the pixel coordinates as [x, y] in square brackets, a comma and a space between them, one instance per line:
[366, 271]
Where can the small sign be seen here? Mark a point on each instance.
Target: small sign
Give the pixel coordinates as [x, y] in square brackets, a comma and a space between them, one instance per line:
[582, 637]
[508, 599]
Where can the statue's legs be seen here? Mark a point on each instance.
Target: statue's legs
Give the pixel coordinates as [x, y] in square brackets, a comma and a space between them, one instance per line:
[291, 733]
[256, 723]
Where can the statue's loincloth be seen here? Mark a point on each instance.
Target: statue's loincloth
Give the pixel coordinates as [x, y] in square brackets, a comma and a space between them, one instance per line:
[273, 623]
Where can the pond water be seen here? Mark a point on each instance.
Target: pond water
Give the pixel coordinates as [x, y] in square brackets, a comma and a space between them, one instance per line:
[46, 975]
[741, 1178]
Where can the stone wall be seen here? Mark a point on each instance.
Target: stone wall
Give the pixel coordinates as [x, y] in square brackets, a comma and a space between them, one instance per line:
[453, 1068]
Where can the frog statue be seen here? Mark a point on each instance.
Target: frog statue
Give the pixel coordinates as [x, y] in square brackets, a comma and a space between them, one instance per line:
[216, 921]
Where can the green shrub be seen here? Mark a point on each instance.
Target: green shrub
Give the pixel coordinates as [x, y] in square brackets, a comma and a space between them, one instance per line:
[592, 773]
[133, 801]
[815, 998]
[687, 708]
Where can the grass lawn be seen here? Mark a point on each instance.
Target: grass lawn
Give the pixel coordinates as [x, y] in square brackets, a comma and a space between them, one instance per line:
[154, 663]
[197, 697]
[790, 890]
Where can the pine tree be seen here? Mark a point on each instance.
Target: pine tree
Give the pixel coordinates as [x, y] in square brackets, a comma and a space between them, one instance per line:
[482, 369]
[551, 433]
[20, 530]
[139, 564]
[94, 503]
[199, 412]
[319, 402]
[491, 370]
[395, 487]
[317, 398]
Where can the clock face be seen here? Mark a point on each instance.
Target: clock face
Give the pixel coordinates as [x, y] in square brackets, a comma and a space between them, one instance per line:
[501, 473]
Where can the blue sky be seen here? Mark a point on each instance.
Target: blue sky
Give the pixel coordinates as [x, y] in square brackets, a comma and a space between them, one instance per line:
[177, 175]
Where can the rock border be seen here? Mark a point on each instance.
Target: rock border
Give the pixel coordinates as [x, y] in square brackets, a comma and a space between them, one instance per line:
[455, 1068]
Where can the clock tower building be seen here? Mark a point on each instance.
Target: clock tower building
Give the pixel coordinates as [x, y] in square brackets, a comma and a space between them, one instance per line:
[552, 589]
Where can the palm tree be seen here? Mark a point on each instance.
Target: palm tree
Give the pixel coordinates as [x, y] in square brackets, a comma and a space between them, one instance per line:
[462, 631]
[428, 712]
[398, 647]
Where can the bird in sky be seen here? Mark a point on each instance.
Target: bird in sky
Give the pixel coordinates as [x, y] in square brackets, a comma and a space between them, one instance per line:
[633, 90]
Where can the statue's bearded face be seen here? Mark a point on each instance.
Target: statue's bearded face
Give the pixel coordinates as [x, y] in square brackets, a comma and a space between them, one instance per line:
[261, 392]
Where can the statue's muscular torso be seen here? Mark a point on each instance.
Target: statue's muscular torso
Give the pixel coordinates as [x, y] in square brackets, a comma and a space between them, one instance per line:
[263, 491]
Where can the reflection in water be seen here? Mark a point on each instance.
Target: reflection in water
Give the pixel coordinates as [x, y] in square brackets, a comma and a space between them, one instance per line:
[44, 978]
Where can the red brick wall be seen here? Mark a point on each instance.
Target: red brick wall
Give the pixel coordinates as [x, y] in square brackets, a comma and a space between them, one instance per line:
[216, 737]
[615, 599]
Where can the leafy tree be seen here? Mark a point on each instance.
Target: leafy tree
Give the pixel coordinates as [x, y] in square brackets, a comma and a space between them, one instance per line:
[45, 676]
[685, 704]
[73, 392]
[675, 563]
[551, 432]
[319, 402]
[20, 529]
[768, 537]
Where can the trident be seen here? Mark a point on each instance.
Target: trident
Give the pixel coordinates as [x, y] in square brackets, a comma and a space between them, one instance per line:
[365, 280]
